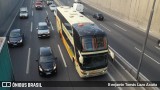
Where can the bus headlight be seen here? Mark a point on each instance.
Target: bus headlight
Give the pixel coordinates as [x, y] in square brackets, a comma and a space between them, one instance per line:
[54, 67]
[40, 69]
[20, 41]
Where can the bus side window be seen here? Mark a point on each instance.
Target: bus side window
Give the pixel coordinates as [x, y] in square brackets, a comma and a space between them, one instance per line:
[68, 27]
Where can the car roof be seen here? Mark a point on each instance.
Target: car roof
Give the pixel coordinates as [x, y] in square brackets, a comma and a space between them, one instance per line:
[42, 24]
[44, 50]
[16, 31]
[37, 2]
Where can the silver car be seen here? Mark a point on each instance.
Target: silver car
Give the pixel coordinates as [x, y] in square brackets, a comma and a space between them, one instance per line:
[23, 12]
[43, 30]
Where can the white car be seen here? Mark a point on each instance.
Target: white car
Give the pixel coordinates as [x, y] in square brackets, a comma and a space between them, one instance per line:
[23, 13]
[43, 30]
[52, 7]
[49, 2]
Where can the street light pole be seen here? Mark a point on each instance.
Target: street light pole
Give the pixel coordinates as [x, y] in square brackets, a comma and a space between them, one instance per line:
[144, 44]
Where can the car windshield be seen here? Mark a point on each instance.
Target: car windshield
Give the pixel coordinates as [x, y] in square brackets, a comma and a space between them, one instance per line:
[14, 34]
[95, 62]
[100, 15]
[23, 11]
[46, 59]
[43, 27]
[53, 6]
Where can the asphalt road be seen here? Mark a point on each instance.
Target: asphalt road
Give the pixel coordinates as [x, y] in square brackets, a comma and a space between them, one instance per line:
[24, 58]
[128, 41]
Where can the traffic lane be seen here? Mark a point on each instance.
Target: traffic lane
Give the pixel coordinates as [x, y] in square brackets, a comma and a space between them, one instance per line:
[19, 54]
[135, 35]
[150, 69]
[45, 42]
[130, 44]
[150, 60]
[128, 51]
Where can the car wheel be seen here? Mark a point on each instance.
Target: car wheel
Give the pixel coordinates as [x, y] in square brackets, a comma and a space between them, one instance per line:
[40, 73]
[159, 43]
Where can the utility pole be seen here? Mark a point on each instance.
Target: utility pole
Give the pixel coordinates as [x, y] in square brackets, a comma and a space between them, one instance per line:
[144, 44]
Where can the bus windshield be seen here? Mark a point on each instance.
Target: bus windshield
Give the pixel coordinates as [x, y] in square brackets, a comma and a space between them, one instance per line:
[92, 62]
[94, 43]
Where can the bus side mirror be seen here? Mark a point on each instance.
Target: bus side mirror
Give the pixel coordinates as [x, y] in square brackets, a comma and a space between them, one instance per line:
[111, 55]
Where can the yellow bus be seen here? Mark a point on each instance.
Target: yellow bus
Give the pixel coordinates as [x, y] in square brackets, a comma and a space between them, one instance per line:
[84, 41]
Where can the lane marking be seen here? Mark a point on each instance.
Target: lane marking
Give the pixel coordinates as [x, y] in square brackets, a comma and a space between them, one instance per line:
[32, 12]
[28, 61]
[62, 56]
[120, 27]
[157, 47]
[105, 27]
[148, 56]
[59, 3]
[33, 6]
[31, 26]
[51, 26]
[113, 80]
[12, 21]
[47, 13]
[127, 63]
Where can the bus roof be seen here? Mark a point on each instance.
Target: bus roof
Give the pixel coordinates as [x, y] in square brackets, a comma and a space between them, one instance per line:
[81, 23]
[73, 16]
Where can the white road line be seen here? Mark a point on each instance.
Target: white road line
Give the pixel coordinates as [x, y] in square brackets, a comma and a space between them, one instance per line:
[157, 47]
[12, 21]
[112, 79]
[148, 56]
[31, 26]
[51, 26]
[126, 62]
[62, 56]
[105, 27]
[28, 61]
[60, 4]
[120, 27]
[47, 13]
[31, 4]
[32, 13]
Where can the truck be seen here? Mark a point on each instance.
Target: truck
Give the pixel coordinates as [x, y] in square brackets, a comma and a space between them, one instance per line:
[78, 6]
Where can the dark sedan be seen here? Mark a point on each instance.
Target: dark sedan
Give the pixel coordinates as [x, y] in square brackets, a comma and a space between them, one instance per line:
[98, 16]
[16, 38]
[47, 62]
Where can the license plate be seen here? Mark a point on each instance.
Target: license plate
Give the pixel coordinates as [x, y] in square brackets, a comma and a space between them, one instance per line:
[44, 35]
[15, 44]
[48, 73]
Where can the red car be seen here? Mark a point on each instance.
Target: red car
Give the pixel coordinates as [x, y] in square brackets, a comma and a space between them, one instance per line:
[38, 5]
